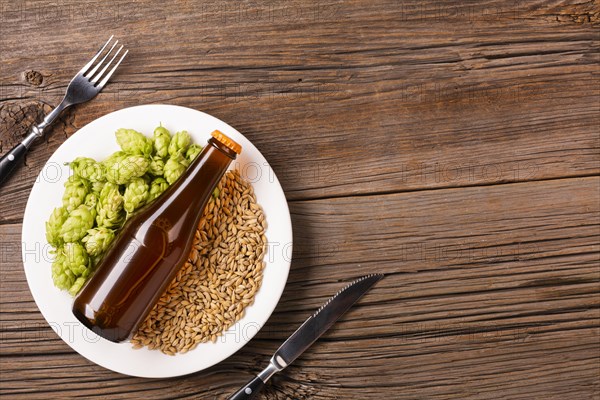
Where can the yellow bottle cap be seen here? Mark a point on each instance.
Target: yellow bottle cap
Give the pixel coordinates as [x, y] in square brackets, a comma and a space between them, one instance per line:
[227, 141]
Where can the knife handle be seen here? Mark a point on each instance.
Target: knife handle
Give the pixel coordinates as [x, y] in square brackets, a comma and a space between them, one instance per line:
[250, 390]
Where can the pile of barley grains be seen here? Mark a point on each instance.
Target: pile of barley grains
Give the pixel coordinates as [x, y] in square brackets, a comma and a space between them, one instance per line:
[220, 278]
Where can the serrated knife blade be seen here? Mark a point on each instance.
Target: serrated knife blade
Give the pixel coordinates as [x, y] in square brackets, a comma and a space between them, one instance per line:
[308, 333]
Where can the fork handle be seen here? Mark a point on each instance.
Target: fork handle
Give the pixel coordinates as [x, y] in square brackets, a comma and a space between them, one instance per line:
[10, 160]
[14, 157]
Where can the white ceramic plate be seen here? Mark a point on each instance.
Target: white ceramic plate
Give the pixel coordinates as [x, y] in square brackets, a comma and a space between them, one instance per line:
[97, 140]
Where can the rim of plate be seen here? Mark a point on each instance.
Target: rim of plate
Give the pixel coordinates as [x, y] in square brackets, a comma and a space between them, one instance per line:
[55, 305]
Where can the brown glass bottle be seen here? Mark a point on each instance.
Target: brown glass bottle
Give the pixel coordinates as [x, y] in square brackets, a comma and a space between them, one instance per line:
[151, 248]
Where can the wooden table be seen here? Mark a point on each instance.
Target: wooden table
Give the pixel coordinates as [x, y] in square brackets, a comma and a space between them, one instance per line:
[453, 146]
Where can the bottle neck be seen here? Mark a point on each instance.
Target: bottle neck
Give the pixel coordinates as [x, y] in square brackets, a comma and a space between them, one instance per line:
[213, 159]
[230, 153]
[204, 173]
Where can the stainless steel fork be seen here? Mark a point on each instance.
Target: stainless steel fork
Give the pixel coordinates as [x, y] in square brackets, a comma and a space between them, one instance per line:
[84, 86]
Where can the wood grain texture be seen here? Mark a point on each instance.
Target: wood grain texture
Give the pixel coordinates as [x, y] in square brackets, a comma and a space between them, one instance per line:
[455, 317]
[426, 103]
[454, 146]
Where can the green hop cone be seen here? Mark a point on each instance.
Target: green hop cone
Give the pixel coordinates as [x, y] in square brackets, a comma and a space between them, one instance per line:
[77, 285]
[113, 158]
[157, 187]
[62, 277]
[88, 168]
[97, 241]
[110, 162]
[53, 225]
[181, 159]
[193, 151]
[110, 207]
[133, 142]
[123, 170]
[136, 194]
[70, 265]
[173, 169]
[76, 259]
[76, 188]
[179, 143]
[157, 166]
[97, 187]
[161, 141]
[77, 224]
[91, 200]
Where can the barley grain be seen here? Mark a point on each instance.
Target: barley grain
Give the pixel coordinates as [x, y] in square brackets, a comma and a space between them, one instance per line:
[223, 273]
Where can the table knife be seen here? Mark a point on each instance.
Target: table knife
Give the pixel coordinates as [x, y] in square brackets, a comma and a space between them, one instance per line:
[308, 333]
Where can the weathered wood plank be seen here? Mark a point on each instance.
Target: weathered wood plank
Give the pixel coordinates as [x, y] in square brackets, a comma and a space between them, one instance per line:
[386, 92]
[400, 132]
[551, 363]
[509, 310]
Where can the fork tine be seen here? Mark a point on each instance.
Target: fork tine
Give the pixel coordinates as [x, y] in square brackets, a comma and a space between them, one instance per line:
[107, 77]
[89, 64]
[99, 74]
[93, 71]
